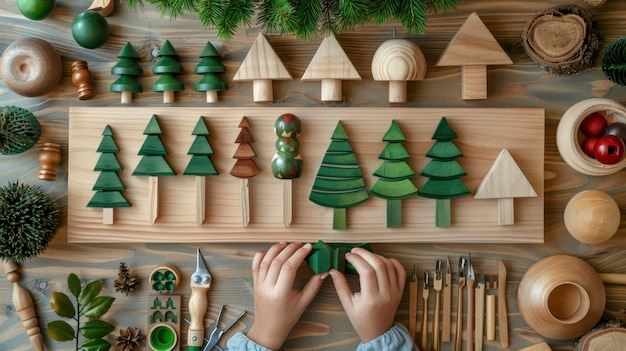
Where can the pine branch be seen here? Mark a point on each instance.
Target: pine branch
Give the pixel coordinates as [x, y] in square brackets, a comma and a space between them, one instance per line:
[329, 20]
[236, 12]
[307, 14]
[383, 10]
[412, 16]
[277, 15]
[210, 12]
[353, 12]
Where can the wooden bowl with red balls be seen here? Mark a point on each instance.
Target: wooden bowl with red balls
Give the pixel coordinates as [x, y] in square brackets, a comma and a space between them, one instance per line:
[589, 136]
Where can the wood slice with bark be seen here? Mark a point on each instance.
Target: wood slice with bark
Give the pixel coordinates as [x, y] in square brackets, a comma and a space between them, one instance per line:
[607, 336]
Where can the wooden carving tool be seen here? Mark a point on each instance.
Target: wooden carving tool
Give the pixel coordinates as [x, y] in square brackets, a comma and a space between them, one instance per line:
[413, 304]
[469, 341]
[503, 323]
[491, 317]
[437, 285]
[424, 330]
[480, 313]
[447, 303]
[198, 303]
[459, 306]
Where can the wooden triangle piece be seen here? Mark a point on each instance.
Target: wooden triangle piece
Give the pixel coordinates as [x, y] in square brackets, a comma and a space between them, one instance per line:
[262, 62]
[330, 62]
[504, 179]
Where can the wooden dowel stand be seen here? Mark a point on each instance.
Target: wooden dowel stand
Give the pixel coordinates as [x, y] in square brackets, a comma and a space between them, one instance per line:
[126, 97]
[491, 317]
[49, 159]
[23, 303]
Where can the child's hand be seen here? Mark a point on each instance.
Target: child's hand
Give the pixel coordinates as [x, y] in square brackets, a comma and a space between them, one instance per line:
[372, 310]
[277, 306]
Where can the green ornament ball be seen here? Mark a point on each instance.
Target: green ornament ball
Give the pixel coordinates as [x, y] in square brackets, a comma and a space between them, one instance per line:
[19, 130]
[90, 30]
[36, 9]
[28, 221]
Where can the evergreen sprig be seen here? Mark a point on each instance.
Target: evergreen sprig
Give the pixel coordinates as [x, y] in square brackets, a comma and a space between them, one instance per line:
[303, 18]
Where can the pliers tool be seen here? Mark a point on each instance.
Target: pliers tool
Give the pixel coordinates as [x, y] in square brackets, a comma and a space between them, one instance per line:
[217, 332]
[200, 284]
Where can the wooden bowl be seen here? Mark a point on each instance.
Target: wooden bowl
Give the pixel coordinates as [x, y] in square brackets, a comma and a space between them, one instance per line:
[569, 139]
[592, 216]
[31, 67]
[561, 297]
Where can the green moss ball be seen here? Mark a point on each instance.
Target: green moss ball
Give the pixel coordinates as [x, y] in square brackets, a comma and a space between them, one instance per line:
[19, 130]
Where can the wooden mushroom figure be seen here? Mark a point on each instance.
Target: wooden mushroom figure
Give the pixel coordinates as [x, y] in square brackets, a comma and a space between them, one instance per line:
[473, 48]
[330, 65]
[398, 61]
[261, 66]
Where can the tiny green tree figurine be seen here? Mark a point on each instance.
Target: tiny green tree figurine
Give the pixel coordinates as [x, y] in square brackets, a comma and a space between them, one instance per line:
[443, 173]
[210, 65]
[168, 67]
[128, 69]
[108, 186]
[244, 168]
[394, 173]
[287, 161]
[200, 165]
[339, 182]
[153, 164]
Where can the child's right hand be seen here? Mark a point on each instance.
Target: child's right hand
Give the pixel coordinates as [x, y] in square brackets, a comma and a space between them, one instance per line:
[372, 310]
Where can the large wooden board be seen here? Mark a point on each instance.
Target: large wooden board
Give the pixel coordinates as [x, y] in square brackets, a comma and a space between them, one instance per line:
[482, 133]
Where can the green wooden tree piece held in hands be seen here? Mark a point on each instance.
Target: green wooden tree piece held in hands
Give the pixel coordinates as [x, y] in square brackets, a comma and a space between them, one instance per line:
[108, 186]
[200, 165]
[325, 256]
[287, 161]
[168, 68]
[394, 173]
[153, 163]
[210, 65]
[128, 69]
[244, 168]
[443, 173]
[339, 182]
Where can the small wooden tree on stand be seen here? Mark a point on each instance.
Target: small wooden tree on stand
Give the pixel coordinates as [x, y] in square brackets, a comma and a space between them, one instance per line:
[443, 173]
[153, 164]
[168, 67]
[287, 161]
[108, 186]
[128, 69]
[209, 66]
[394, 173]
[339, 182]
[244, 168]
[200, 166]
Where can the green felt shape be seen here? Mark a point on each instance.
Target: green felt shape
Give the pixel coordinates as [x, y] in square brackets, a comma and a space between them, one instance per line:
[210, 82]
[443, 131]
[108, 199]
[126, 83]
[167, 64]
[209, 65]
[153, 166]
[168, 82]
[127, 66]
[108, 181]
[108, 162]
[437, 169]
[152, 146]
[444, 150]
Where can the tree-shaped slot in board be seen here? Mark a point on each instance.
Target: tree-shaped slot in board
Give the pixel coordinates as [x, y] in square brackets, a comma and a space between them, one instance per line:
[287, 161]
[394, 173]
[209, 65]
[128, 69]
[153, 163]
[339, 182]
[168, 67]
[200, 165]
[325, 256]
[443, 173]
[245, 167]
[108, 186]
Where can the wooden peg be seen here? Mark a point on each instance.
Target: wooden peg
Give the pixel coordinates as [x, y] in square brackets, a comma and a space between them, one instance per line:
[491, 317]
[49, 158]
[23, 303]
[83, 79]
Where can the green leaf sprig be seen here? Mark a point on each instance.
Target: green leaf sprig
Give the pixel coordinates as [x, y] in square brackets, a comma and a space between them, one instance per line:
[86, 303]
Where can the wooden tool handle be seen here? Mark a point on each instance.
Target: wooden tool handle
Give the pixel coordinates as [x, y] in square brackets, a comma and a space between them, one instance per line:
[459, 317]
[424, 329]
[197, 309]
[479, 316]
[412, 309]
[436, 342]
[491, 317]
[503, 322]
[447, 309]
[613, 278]
[469, 341]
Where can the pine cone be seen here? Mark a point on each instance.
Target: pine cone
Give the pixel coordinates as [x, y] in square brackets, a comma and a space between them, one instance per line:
[129, 339]
[124, 282]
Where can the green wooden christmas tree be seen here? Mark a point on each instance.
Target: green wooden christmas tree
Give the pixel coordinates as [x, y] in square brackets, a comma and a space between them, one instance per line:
[287, 161]
[210, 65]
[168, 67]
[128, 69]
[153, 164]
[108, 186]
[443, 173]
[325, 256]
[245, 167]
[394, 173]
[200, 165]
[339, 182]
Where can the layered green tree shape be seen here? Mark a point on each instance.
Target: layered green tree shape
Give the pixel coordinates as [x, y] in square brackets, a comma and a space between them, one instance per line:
[201, 151]
[325, 256]
[85, 303]
[128, 69]
[443, 173]
[339, 182]
[168, 68]
[394, 184]
[153, 152]
[108, 186]
[209, 65]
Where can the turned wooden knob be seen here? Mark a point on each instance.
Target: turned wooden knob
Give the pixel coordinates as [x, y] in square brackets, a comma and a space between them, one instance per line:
[83, 79]
[49, 158]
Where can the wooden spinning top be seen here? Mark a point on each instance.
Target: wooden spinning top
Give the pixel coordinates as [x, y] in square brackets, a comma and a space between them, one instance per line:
[49, 158]
[83, 79]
